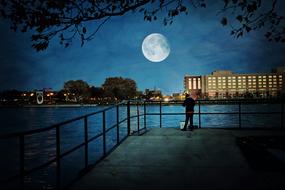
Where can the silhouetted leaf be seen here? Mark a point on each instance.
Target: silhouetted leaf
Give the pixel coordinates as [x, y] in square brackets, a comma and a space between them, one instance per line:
[239, 18]
[277, 39]
[268, 34]
[226, 2]
[40, 46]
[183, 9]
[248, 29]
[84, 30]
[239, 34]
[203, 5]
[224, 21]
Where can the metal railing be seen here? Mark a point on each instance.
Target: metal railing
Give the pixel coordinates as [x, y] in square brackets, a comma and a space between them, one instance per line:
[199, 113]
[139, 105]
[59, 154]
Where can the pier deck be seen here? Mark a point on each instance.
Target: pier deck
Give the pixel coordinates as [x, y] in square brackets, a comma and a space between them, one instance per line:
[167, 158]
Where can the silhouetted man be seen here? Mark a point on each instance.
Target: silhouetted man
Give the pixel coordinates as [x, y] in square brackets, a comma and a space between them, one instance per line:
[189, 104]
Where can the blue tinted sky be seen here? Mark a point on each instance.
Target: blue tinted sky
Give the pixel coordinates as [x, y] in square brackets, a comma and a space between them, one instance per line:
[198, 42]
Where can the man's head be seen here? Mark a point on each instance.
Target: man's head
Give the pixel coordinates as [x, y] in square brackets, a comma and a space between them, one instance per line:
[187, 95]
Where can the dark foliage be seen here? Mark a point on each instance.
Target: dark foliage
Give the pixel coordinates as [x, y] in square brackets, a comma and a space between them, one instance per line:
[253, 15]
[120, 88]
[67, 19]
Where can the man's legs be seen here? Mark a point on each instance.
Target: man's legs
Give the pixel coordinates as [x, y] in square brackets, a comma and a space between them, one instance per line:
[186, 121]
[191, 126]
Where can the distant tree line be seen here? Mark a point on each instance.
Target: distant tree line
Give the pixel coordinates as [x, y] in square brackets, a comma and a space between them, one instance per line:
[114, 89]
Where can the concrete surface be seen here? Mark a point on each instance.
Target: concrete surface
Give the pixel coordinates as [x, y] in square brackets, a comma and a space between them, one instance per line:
[168, 158]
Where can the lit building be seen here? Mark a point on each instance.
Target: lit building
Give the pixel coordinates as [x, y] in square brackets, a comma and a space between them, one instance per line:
[193, 84]
[226, 84]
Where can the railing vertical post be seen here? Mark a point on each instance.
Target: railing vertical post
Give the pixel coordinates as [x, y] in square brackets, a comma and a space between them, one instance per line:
[86, 140]
[118, 131]
[144, 115]
[199, 113]
[104, 133]
[22, 161]
[58, 167]
[160, 114]
[282, 114]
[138, 118]
[129, 117]
[239, 114]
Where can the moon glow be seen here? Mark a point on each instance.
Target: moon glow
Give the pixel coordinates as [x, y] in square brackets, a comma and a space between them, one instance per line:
[155, 47]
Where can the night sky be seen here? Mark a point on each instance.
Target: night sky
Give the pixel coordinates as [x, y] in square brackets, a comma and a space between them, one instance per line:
[199, 45]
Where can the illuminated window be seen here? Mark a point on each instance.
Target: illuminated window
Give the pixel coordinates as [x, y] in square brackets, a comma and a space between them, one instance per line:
[224, 77]
[239, 77]
[264, 76]
[249, 76]
[280, 76]
[274, 76]
[244, 77]
[259, 77]
[270, 76]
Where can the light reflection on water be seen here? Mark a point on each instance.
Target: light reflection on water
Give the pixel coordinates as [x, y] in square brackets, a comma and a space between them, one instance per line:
[41, 147]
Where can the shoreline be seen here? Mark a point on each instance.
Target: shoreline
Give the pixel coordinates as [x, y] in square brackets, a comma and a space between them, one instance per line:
[165, 103]
[53, 105]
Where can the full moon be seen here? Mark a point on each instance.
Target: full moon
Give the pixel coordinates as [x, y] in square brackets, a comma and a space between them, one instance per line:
[155, 47]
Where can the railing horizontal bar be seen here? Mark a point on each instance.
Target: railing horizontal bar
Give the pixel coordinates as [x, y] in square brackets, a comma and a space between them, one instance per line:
[135, 116]
[217, 113]
[123, 120]
[95, 137]
[110, 128]
[72, 150]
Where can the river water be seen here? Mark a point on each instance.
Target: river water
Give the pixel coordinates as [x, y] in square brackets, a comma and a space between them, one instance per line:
[40, 148]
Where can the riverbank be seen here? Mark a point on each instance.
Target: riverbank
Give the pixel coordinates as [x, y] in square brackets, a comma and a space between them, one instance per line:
[147, 102]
